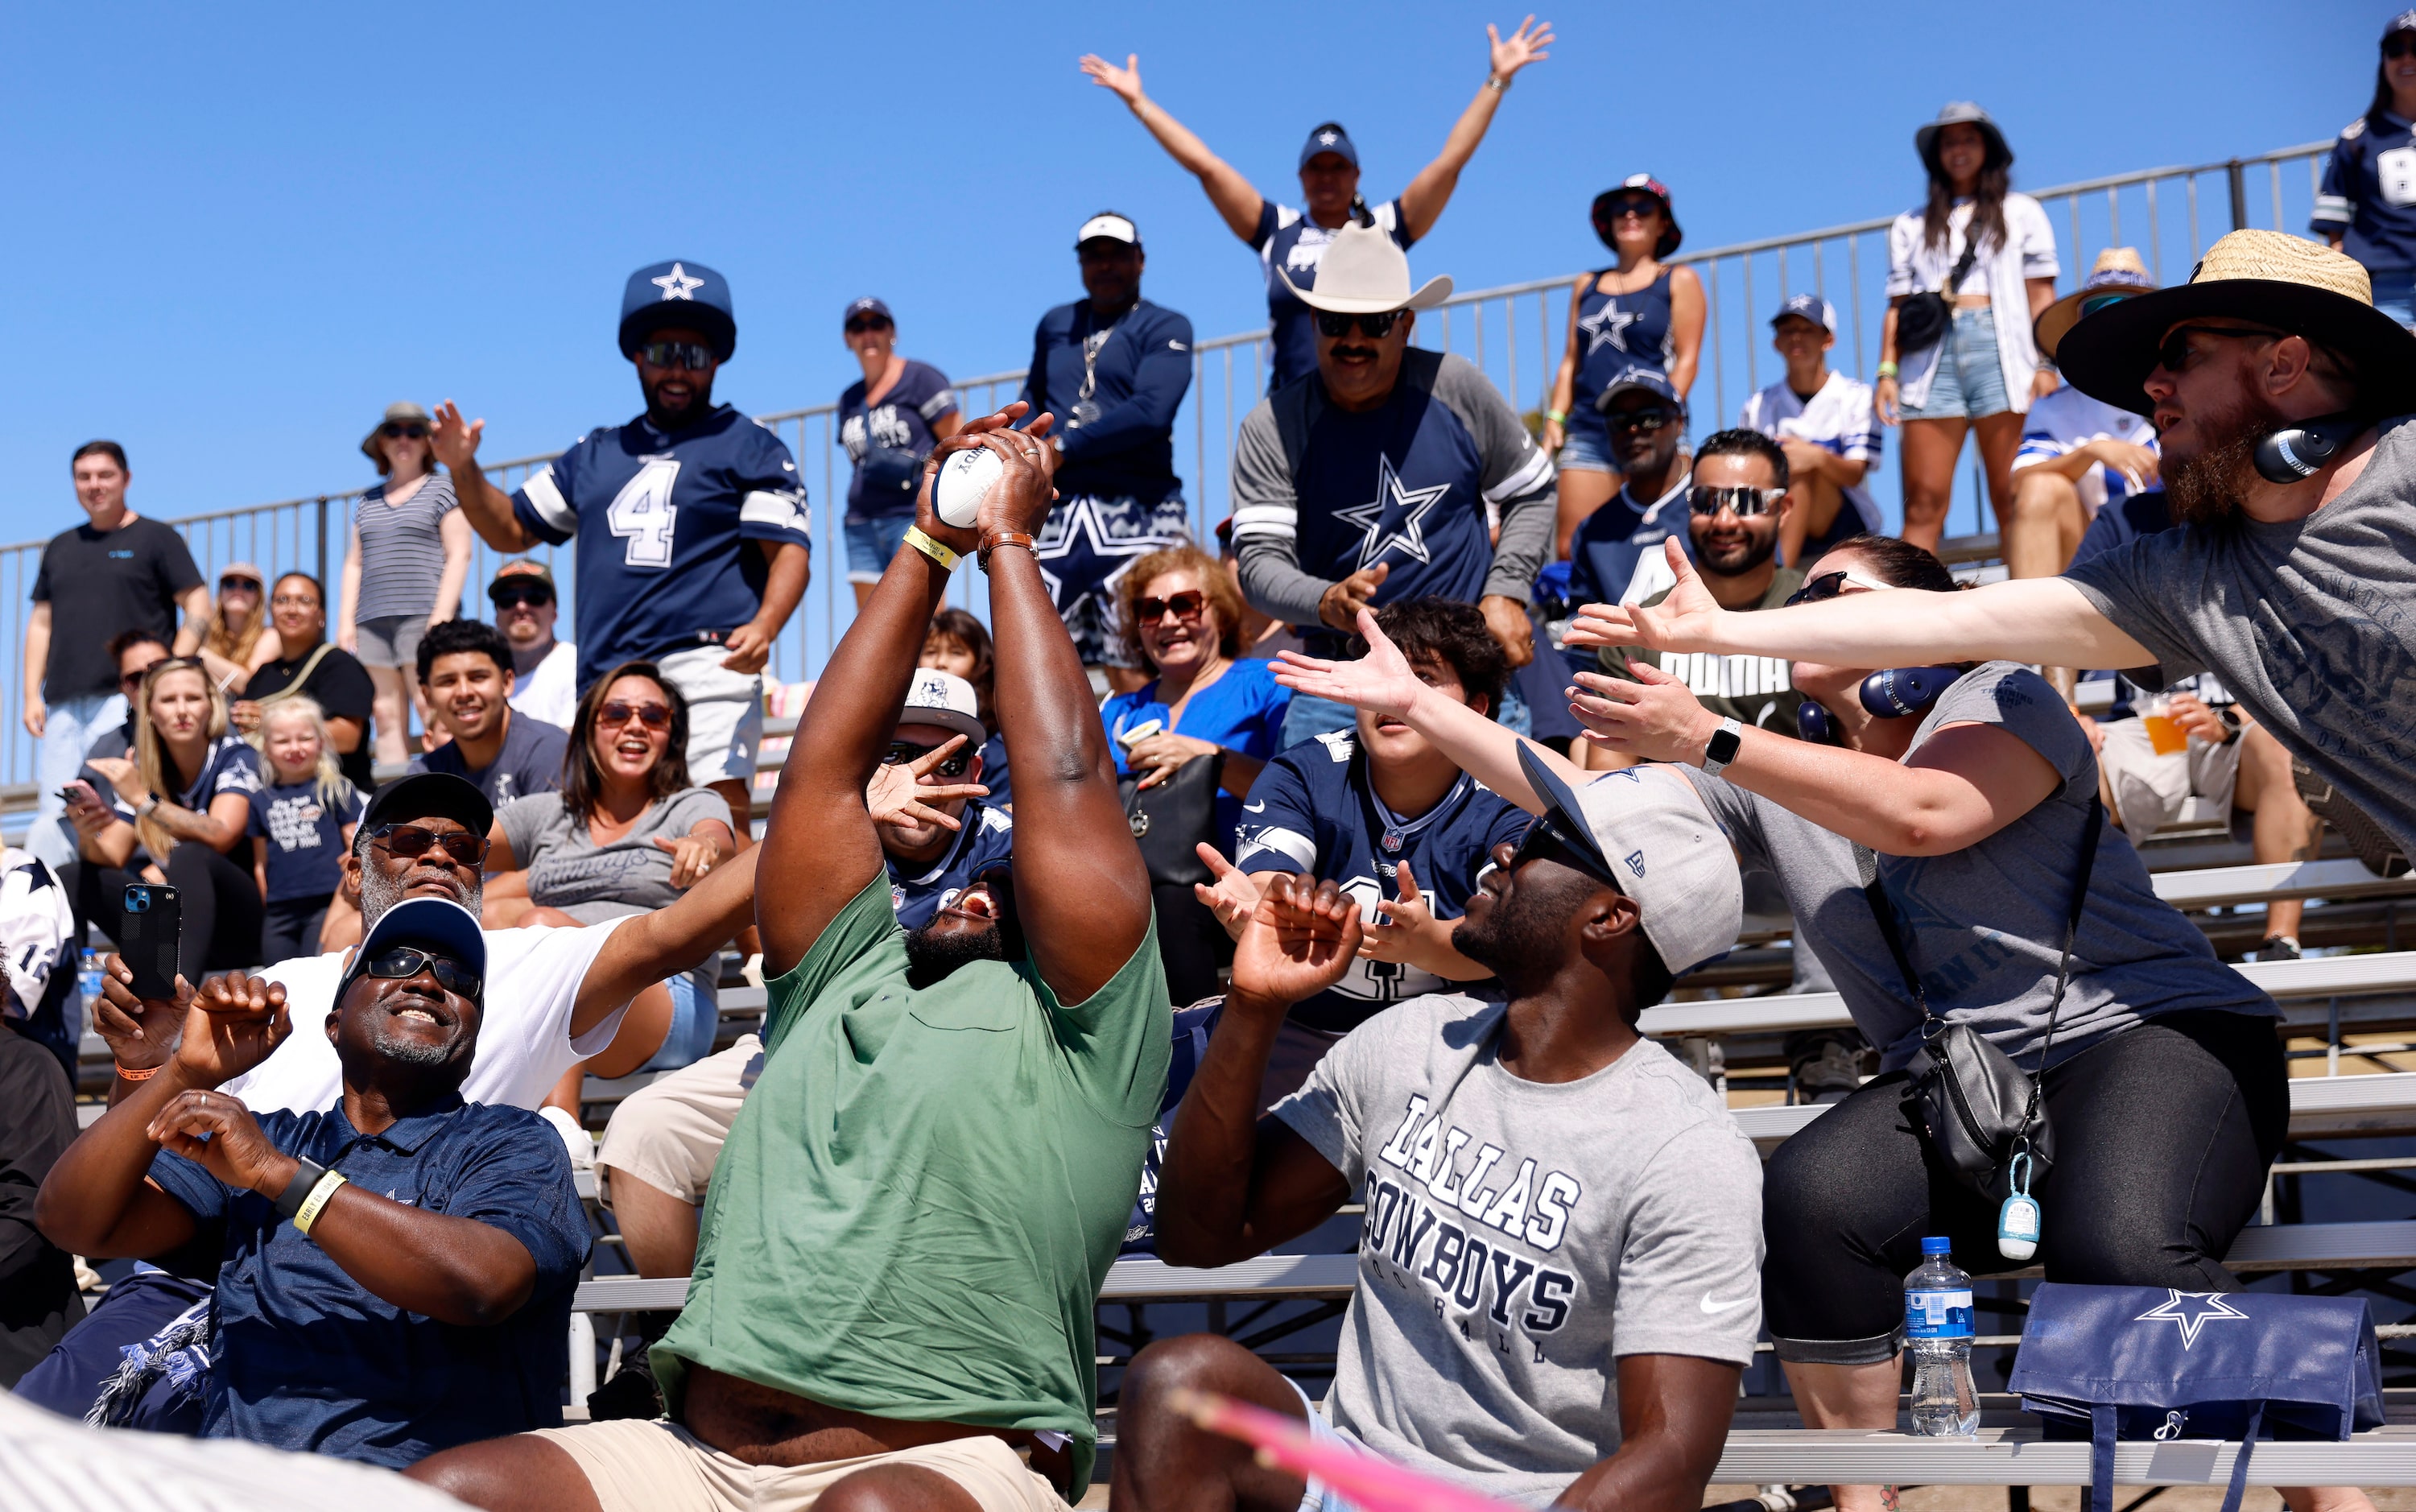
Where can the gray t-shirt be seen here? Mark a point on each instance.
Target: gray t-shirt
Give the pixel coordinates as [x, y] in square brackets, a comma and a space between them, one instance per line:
[530, 762]
[2311, 623]
[1984, 924]
[591, 883]
[1520, 1238]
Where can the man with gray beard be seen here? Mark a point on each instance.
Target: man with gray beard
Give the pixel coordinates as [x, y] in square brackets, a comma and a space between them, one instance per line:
[2281, 398]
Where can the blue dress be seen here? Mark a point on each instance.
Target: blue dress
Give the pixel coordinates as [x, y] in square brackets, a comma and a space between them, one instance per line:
[1243, 710]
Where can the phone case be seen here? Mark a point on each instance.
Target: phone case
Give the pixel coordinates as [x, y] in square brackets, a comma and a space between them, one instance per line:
[148, 938]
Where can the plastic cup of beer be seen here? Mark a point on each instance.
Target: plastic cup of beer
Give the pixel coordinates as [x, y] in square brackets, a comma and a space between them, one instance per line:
[2165, 737]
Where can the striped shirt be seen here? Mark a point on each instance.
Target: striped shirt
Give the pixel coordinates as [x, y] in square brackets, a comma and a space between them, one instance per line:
[402, 552]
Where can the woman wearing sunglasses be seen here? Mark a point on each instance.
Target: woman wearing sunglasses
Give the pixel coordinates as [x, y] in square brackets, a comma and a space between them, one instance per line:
[627, 833]
[1640, 313]
[403, 571]
[2364, 207]
[239, 639]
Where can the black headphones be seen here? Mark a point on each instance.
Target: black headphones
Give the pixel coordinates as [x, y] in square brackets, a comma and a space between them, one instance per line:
[1892, 694]
[2295, 453]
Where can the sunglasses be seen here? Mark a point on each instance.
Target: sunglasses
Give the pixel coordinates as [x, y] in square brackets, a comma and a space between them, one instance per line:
[234, 584]
[1646, 421]
[902, 751]
[615, 713]
[1186, 606]
[519, 597]
[132, 680]
[2173, 353]
[694, 356]
[399, 963]
[861, 323]
[1375, 328]
[1830, 585]
[1638, 205]
[1541, 843]
[2398, 45]
[411, 843]
[1745, 502]
[399, 428]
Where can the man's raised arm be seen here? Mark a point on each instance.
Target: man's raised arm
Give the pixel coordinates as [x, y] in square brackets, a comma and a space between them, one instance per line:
[455, 443]
[2044, 620]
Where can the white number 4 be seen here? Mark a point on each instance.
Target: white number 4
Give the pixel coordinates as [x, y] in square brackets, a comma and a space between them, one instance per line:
[643, 516]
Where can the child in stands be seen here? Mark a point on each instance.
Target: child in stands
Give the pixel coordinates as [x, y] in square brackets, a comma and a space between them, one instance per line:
[300, 827]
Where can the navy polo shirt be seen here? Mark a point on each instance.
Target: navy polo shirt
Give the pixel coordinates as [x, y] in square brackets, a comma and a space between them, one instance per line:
[306, 1358]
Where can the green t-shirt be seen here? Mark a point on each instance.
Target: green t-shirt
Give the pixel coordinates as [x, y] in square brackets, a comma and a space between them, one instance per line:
[919, 1202]
[1754, 690]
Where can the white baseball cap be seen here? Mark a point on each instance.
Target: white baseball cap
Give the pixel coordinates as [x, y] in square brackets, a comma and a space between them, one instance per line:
[1647, 834]
[946, 700]
[1111, 226]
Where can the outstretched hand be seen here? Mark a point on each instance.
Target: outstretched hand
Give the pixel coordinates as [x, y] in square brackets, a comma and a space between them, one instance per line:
[1233, 897]
[234, 1024]
[692, 857]
[1300, 940]
[1656, 717]
[1380, 682]
[1524, 46]
[1406, 916]
[1689, 619]
[454, 440]
[1125, 80]
[898, 795]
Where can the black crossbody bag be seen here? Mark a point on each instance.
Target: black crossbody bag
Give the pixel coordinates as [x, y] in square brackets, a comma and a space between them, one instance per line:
[1976, 1109]
[1921, 320]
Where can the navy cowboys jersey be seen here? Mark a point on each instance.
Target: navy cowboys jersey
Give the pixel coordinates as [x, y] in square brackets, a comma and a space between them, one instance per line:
[987, 840]
[660, 520]
[2368, 195]
[1313, 809]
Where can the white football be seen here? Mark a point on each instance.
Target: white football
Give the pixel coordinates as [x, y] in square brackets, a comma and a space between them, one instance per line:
[964, 480]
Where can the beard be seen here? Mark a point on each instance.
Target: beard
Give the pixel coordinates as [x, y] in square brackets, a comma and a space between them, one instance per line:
[1520, 936]
[1756, 550]
[380, 892]
[2205, 487]
[401, 1048]
[932, 957]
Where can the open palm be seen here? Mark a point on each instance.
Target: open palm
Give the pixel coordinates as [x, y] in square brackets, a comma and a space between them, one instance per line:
[1380, 682]
[1511, 54]
[1688, 620]
[1125, 80]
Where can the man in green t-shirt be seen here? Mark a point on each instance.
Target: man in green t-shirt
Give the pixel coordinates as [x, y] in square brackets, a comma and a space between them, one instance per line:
[1737, 508]
[894, 1293]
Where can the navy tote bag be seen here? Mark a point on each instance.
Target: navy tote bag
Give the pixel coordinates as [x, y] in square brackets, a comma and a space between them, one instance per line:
[2139, 1362]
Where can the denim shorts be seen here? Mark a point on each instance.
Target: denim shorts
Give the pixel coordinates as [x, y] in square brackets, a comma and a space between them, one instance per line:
[1584, 451]
[872, 542]
[696, 1017]
[1969, 379]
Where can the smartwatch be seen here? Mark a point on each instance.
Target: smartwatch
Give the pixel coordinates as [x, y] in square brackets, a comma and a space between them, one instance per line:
[1722, 747]
[310, 1174]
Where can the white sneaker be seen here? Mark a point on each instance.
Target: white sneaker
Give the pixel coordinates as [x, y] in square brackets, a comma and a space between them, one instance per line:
[580, 1143]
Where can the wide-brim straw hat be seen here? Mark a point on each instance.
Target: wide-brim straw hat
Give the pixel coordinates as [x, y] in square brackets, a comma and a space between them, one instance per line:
[2118, 272]
[2269, 278]
[1364, 273]
[403, 413]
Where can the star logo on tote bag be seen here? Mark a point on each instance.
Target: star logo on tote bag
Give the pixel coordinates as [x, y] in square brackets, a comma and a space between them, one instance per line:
[2191, 1311]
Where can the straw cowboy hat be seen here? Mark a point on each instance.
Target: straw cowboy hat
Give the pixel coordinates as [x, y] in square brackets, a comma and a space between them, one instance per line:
[1364, 273]
[2119, 275]
[2272, 278]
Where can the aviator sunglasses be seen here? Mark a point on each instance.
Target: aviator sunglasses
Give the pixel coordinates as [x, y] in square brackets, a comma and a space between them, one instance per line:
[399, 963]
[616, 714]
[1374, 327]
[1186, 606]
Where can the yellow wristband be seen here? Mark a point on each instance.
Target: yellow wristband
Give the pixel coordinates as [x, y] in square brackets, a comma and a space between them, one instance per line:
[936, 550]
[307, 1212]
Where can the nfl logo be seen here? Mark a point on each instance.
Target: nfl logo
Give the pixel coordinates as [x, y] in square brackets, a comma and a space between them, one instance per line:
[1391, 844]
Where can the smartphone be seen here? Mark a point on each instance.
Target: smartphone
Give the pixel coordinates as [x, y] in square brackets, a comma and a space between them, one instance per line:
[1140, 732]
[79, 790]
[150, 927]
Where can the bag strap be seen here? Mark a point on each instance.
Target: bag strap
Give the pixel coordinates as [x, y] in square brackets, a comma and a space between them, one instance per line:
[2090, 835]
[294, 688]
[1962, 270]
[2100, 1457]
[2240, 1466]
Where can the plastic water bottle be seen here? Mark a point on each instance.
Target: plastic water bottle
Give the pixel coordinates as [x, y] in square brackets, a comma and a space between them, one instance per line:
[1938, 1332]
[89, 976]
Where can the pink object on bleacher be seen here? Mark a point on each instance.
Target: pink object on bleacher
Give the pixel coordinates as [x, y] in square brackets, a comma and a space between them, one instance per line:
[1376, 1484]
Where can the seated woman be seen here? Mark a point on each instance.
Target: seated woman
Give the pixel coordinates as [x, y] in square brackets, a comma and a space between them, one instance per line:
[173, 813]
[959, 644]
[627, 833]
[2164, 1077]
[1181, 620]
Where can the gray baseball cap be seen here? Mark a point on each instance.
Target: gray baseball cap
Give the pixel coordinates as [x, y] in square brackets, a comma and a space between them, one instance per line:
[1643, 831]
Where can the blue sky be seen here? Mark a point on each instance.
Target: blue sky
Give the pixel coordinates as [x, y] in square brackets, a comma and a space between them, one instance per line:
[239, 234]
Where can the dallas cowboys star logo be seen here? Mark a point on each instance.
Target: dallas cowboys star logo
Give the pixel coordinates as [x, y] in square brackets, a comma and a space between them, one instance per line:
[676, 284]
[1076, 547]
[2192, 1311]
[1395, 516]
[1328, 139]
[1606, 327]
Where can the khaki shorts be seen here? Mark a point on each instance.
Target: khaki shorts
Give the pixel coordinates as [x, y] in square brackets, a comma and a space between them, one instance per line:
[725, 714]
[668, 1132]
[2150, 789]
[634, 1466]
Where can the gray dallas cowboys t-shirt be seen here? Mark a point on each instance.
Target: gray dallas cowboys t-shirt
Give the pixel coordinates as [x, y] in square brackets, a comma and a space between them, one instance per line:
[2310, 622]
[1984, 924]
[1519, 1238]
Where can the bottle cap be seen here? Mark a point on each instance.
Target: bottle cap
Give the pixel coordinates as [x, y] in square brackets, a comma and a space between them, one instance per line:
[1937, 1247]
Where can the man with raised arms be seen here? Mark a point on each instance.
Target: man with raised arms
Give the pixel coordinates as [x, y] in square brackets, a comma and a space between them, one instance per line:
[894, 1294]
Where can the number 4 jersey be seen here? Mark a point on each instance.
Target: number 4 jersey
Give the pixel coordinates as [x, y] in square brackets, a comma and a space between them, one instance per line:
[661, 519]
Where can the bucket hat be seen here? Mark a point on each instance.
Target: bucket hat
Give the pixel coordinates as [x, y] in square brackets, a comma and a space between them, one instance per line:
[405, 413]
[1963, 112]
[1650, 185]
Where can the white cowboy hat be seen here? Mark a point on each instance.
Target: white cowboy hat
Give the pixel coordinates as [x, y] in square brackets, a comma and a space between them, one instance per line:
[1364, 273]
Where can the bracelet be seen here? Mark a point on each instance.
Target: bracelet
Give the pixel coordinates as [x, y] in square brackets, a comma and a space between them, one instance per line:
[132, 1075]
[289, 1201]
[1887, 370]
[1007, 538]
[321, 1191]
[937, 550]
[1557, 416]
[143, 810]
[1496, 83]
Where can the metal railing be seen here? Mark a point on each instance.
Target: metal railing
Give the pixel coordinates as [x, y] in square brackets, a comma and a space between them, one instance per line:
[1515, 333]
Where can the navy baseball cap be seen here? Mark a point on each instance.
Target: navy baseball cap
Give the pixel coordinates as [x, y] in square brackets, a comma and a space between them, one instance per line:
[678, 293]
[1642, 380]
[2404, 21]
[1809, 307]
[867, 306]
[429, 795]
[1328, 136]
[437, 924]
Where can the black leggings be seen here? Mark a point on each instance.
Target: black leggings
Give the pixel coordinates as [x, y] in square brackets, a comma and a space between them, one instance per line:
[2163, 1133]
[222, 910]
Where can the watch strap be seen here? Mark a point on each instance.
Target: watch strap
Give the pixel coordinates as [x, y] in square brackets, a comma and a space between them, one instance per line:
[997, 538]
[307, 1176]
[1723, 746]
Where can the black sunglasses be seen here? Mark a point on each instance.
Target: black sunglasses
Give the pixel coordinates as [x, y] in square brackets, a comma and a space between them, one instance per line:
[1829, 585]
[1746, 502]
[616, 714]
[861, 323]
[695, 356]
[1375, 328]
[2398, 45]
[130, 680]
[399, 963]
[902, 751]
[411, 843]
[519, 595]
[1541, 842]
[1646, 421]
[238, 582]
[2173, 353]
[1638, 205]
[395, 428]
[1186, 606]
